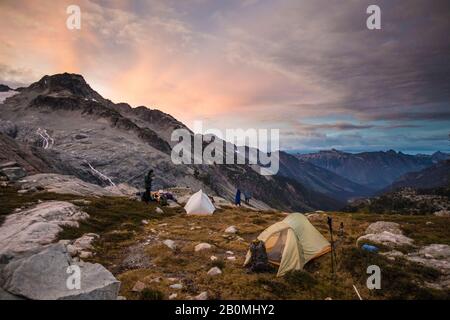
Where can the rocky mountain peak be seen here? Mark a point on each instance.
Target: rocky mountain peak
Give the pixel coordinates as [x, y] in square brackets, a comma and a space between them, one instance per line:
[64, 84]
[440, 156]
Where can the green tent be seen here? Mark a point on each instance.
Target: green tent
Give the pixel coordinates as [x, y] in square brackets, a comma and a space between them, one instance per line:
[291, 243]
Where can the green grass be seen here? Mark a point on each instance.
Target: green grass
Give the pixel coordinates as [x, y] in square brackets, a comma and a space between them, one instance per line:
[109, 214]
[300, 278]
[150, 294]
[219, 263]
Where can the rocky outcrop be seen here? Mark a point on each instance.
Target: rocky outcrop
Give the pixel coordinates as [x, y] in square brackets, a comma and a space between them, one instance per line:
[386, 238]
[385, 233]
[81, 247]
[33, 267]
[46, 275]
[381, 226]
[435, 256]
[37, 226]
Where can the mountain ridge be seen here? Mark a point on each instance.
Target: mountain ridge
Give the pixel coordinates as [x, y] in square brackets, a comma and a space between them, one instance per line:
[435, 176]
[375, 170]
[88, 131]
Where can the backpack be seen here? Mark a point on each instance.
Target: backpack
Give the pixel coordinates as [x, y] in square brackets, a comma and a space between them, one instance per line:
[259, 262]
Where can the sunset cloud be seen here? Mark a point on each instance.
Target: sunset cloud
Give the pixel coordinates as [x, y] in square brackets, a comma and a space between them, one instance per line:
[284, 64]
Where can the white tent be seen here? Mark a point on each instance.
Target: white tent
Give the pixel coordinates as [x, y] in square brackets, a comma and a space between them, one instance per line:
[199, 204]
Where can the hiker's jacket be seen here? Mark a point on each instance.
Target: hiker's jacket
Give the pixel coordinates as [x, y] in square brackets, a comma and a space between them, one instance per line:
[148, 182]
[237, 199]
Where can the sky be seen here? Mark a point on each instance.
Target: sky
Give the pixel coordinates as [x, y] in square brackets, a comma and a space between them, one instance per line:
[309, 68]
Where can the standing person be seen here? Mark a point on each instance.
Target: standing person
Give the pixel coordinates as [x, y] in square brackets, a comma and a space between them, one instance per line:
[237, 199]
[247, 197]
[148, 186]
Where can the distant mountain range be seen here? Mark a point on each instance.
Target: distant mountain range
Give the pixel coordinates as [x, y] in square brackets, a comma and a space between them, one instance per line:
[374, 170]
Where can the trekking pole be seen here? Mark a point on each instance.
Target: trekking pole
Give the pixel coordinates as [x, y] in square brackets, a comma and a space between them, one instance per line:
[334, 248]
[330, 226]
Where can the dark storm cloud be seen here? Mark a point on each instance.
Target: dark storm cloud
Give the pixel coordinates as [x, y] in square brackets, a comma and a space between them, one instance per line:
[338, 126]
[382, 74]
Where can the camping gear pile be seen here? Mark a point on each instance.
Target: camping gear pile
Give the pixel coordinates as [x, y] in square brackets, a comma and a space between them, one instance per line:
[162, 197]
[292, 243]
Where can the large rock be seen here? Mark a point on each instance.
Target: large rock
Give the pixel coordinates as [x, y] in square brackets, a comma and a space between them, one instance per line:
[380, 226]
[436, 251]
[385, 233]
[202, 246]
[42, 275]
[85, 241]
[392, 255]
[32, 228]
[386, 238]
[81, 246]
[435, 256]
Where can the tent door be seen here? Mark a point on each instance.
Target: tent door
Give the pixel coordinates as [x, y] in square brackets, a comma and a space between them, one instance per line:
[275, 246]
